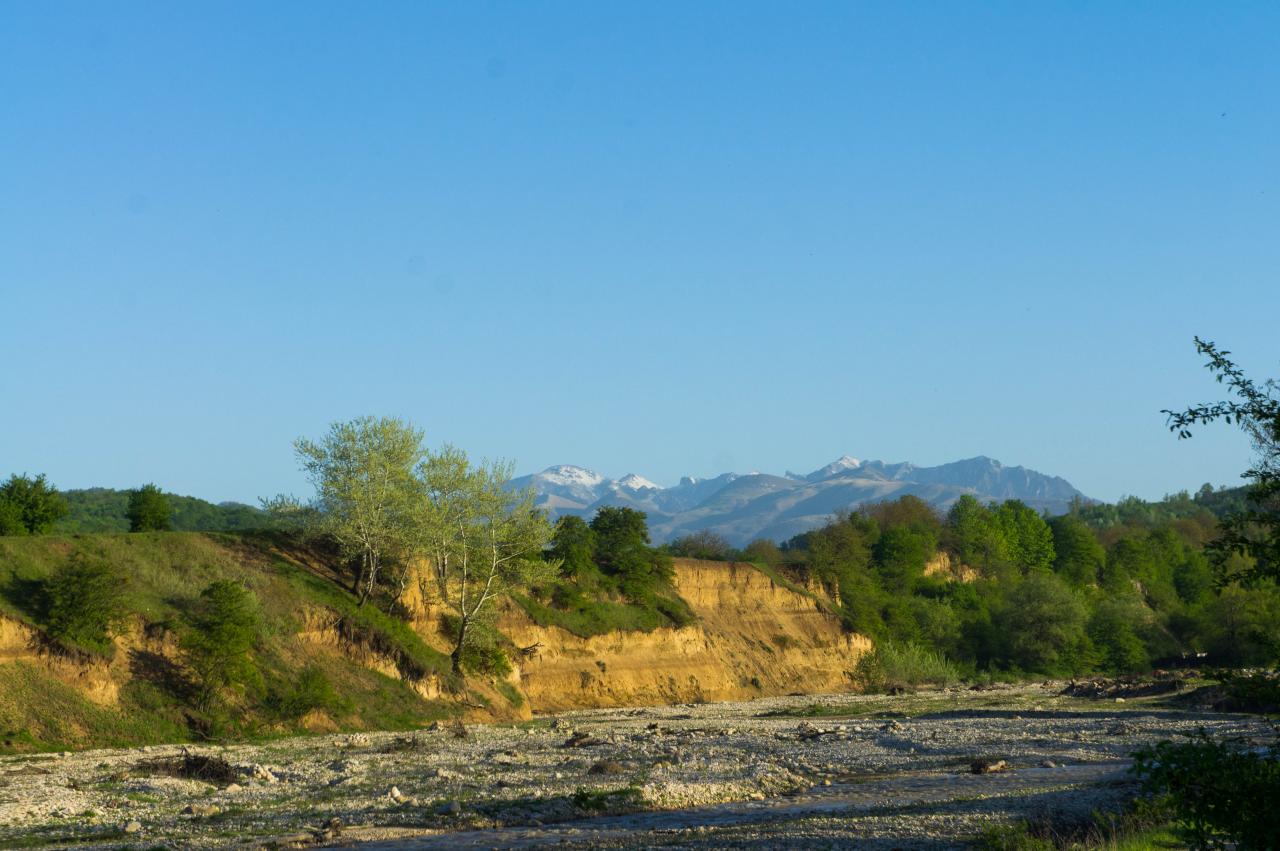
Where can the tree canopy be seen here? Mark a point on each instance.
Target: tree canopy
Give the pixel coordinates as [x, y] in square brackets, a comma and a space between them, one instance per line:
[29, 506]
[149, 510]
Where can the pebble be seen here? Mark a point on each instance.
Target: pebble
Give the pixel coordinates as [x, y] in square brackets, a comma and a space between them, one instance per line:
[132, 826]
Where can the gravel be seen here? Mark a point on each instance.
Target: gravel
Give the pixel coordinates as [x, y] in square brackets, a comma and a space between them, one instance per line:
[800, 771]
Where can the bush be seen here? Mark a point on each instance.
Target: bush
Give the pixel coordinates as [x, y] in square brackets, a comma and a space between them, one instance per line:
[311, 691]
[222, 630]
[482, 653]
[84, 605]
[892, 666]
[1221, 792]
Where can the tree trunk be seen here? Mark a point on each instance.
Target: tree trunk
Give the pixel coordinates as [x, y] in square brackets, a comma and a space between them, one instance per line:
[456, 658]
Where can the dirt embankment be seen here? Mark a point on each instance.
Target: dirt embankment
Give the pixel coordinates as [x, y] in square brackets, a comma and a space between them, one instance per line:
[752, 637]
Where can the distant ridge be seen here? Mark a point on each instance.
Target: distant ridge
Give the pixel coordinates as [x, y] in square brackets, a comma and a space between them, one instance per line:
[758, 505]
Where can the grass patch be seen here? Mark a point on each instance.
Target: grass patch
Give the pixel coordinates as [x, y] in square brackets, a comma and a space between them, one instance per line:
[589, 617]
[894, 667]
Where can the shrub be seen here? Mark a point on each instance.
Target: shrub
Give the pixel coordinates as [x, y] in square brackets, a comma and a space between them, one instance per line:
[1222, 792]
[311, 691]
[222, 630]
[482, 653]
[84, 605]
[892, 665]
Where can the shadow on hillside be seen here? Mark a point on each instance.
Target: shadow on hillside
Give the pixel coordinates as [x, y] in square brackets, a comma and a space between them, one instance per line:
[27, 596]
[162, 673]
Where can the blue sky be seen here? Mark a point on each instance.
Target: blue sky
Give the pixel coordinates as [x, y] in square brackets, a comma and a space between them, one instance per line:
[663, 238]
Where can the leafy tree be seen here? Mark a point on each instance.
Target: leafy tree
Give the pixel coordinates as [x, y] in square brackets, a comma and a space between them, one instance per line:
[901, 553]
[1028, 536]
[1044, 622]
[703, 544]
[764, 551]
[1078, 557]
[484, 539]
[1240, 626]
[623, 551]
[1253, 531]
[11, 519]
[29, 506]
[978, 539]
[222, 631]
[363, 472]
[149, 510]
[1112, 631]
[85, 604]
[573, 544]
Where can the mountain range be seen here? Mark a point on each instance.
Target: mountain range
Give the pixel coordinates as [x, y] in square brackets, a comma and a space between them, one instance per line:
[742, 508]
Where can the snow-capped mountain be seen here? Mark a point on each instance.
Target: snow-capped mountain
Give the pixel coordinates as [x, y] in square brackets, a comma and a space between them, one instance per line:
[758, 505]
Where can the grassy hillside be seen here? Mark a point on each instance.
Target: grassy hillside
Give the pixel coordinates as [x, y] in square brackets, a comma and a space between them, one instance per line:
[324, 662]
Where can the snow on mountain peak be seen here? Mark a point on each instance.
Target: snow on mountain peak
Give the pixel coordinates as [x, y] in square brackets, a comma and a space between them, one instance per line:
[569, 475]
[635, 483]
[840, 465]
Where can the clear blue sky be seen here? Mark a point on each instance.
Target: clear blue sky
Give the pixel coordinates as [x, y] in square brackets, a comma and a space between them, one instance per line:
[670, 238]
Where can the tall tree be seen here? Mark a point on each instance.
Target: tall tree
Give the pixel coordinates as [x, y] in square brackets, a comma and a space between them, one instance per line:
[29, 506]
[363, 472]
[484, 539]
[1254, 531]
[149, 510]
[1078, 557]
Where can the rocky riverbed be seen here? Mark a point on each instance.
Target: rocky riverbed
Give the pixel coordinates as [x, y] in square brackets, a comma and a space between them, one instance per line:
[924, 770]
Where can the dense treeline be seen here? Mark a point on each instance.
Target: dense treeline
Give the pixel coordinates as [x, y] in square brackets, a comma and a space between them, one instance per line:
[1112, 588]
[107, 510]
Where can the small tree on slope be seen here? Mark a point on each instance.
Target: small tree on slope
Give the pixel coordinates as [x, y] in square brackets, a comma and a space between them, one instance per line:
[483, 539]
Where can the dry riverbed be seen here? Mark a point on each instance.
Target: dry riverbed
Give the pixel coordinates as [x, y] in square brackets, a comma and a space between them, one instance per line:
[795, 771]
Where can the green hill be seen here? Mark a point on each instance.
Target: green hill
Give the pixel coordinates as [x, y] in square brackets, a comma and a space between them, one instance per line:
[104, 510]
[324, 662]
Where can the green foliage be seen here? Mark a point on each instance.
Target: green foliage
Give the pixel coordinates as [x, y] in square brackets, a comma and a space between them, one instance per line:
[1113, 631]
[1250, 691]
[484, 539]
[1223, 793]
[483, 652]
[1043, 624]
[703, 544]
[366, 496]
[573, 544]
[894, 666]
[622, 550]
[1239, 626]
[308, 692]
[29, 506]
[609, 579]
[1078, 555]
[1254, 530]
[149, 510]
[763, 551]
[222, 630]
[106, 510]
[85, 604]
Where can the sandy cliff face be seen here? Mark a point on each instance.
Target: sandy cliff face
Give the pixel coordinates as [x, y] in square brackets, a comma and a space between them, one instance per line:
[753, 637]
